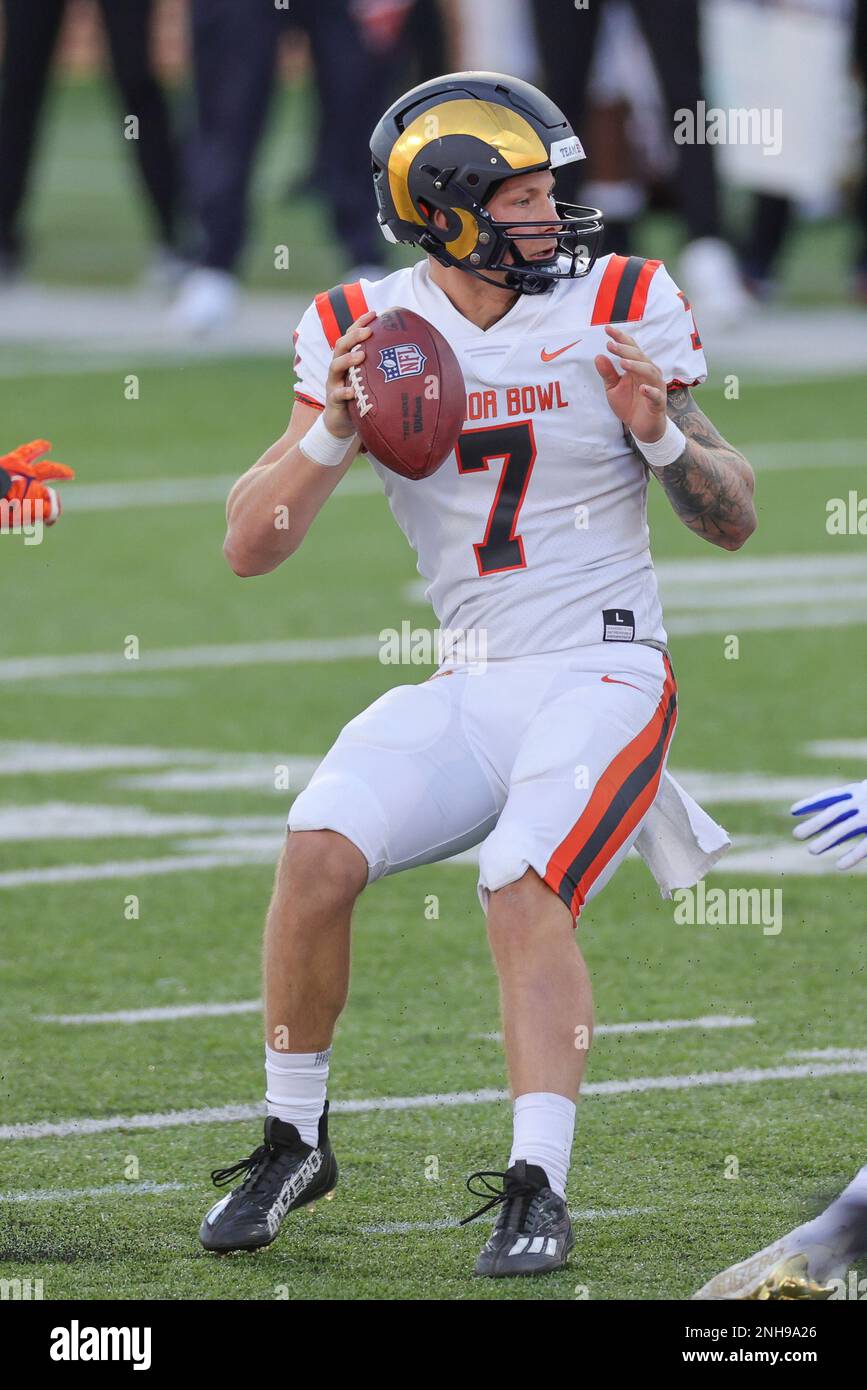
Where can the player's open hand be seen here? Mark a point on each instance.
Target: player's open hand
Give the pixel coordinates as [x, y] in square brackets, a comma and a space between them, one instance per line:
[25, 475]
[637, 394]
[837, 816]
[348, 352]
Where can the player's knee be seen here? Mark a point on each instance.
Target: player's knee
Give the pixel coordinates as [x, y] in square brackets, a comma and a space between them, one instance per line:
[341, 801]
[513, 904]
[504, 872]
[321, 866]
[525, 904]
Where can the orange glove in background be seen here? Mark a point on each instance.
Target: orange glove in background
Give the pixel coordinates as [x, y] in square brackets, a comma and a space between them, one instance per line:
[27, 479]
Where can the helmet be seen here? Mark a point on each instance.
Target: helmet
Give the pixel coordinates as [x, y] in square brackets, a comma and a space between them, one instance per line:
[446, 145]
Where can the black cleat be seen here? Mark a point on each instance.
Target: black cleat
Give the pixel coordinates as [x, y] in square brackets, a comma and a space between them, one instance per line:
[282, 1174]
[533, 1233]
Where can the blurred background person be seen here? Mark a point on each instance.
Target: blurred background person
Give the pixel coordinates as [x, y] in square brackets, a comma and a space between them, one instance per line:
[568, 40]
[360, 50]
[860, 61]
[427, 52]
[620, 69]
[836, 33]
[31, 28]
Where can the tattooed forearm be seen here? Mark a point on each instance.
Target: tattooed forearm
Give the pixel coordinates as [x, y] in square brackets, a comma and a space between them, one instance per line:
[710, 486]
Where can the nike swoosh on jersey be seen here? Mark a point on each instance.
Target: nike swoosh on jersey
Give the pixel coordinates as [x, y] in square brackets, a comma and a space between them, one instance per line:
[612, 680]
[549, 356]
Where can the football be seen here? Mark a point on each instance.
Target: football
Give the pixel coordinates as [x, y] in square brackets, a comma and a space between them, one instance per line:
[409, 398]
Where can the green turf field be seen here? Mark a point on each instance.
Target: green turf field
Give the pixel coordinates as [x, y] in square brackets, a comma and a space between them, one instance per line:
[114, 1213]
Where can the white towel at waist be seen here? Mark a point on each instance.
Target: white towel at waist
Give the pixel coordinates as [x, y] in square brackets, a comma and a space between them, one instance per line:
[679, 842]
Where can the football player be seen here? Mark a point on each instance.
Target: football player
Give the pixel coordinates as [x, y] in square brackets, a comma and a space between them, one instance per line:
[534, 533]
[24, 491]
[802, 1263]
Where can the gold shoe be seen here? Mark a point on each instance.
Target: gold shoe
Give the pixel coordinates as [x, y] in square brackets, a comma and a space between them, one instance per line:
[778, 1272]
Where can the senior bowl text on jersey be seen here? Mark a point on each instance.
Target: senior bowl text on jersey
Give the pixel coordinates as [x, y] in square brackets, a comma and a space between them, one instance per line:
[534, 531]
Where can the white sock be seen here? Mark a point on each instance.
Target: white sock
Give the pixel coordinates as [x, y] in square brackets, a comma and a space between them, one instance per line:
[857, 1189]
[544, 1125]
[842, 1225]
[296, 1089]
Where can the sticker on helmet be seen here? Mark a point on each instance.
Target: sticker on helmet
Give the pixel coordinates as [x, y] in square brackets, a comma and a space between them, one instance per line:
[405, 359]
[565, 151]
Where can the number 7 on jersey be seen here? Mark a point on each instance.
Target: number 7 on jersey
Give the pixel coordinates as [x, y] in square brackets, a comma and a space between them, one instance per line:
[501, 549]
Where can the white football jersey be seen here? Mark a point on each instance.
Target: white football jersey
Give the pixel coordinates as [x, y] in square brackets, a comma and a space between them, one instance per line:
[534, 530]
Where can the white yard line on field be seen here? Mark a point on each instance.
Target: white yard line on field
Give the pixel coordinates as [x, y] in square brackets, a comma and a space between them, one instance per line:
[206, 770]
[71, 1194]
[249, 1006]
[72, 820]
[134, 868]
[837, 748]
[783, 455]
[174, 492]
[661, 1025]
[388, 1228]
[739, 1076]
[248, 774]
[753, 593]
[27, 756]
[209, 657]
[766, 856]
[781, 859]
[700, 596]
[750, 788]
[214, 770]
[738, 575]
[157, 1014]
[738, 620]
[829, 1054]
[404, 1228]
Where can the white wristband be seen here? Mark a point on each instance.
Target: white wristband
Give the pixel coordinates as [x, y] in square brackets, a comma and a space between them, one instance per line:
[320, 445]
[665, 450]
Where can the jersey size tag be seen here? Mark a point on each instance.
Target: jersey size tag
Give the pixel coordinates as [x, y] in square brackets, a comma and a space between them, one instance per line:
[618, 625]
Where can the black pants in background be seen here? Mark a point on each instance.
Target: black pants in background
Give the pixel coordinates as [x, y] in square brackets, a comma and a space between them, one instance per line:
[234, 51]
[860, 57]
[31, 29]
[566, 38]
[234, 59]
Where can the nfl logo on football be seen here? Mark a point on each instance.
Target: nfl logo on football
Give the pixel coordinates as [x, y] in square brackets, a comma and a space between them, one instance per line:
[404, 359]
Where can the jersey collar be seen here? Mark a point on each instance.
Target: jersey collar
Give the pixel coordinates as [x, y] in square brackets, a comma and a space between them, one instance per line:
[524, 312]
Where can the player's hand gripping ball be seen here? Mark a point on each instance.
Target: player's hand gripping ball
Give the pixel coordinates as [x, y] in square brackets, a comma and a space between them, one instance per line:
[409, 399]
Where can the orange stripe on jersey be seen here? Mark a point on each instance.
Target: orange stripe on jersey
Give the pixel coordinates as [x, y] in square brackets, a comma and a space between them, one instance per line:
[356, 301]
[607, 291]
[308, 400]
[622, 293]
[621, 797]
[325, 310]
[638, 302]
[339, 308]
